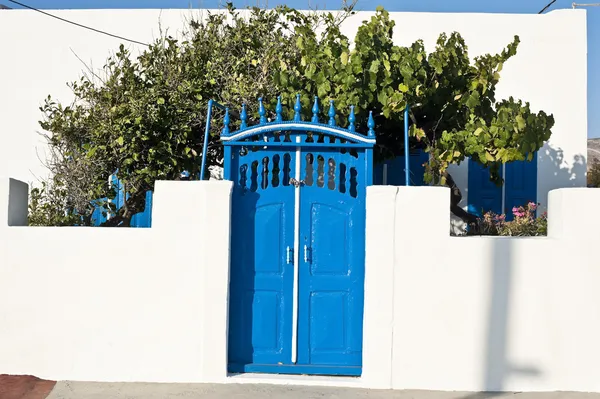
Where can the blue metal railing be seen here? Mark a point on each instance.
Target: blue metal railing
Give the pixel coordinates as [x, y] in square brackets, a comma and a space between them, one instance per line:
[391, 176]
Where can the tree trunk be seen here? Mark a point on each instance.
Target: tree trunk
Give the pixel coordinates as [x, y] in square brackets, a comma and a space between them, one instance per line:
[455, 198]
[134, 204]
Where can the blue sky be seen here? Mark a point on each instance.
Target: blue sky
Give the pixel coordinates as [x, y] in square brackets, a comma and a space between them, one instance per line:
[503, 6]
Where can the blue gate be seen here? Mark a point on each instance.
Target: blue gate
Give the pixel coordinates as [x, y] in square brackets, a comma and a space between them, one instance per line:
[298, 242]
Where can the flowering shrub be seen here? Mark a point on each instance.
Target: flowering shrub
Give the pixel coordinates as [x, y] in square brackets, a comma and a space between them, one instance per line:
[525, 223]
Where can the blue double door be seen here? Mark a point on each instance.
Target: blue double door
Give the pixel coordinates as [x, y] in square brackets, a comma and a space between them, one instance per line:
[520, 187]
[297, 271]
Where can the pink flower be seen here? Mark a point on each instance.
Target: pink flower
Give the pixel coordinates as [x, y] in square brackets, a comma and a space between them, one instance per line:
[532, 206]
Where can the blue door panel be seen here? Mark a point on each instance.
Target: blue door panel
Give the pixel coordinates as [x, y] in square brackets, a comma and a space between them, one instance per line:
[332, 225]
[267, 317]
[331, 232]
[395, 175]
[521, 185]
[261, 277]
[270, 233]
[483, 195]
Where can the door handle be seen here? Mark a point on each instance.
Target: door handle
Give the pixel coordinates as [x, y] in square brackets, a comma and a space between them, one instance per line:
[306, 254]
[287, 255]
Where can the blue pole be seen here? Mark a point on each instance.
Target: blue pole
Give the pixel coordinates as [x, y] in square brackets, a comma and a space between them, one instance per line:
[406, 152]
[206, 135]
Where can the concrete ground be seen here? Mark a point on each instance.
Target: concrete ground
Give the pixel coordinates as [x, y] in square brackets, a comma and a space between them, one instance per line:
[91, 390]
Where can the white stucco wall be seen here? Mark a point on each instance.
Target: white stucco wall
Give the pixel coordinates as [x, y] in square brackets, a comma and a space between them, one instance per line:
[494, 314]
[100, 304]
[440, 312]
[549, 71]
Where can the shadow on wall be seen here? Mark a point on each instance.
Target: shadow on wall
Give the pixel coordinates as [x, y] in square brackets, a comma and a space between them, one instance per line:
[498, 366]
[561, 172]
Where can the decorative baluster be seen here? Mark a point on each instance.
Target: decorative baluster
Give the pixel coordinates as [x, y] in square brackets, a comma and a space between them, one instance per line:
[278, 110]
[371, 125]
[244, 117]
[226, 123]
[297, 109]
[351, 120]
[331, 113]
[315, 111]
[261, 111]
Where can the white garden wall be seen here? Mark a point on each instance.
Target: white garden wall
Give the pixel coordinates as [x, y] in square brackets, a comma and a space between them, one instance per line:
[43, 54]
[120, 304]
[441, 312]
[495, 313]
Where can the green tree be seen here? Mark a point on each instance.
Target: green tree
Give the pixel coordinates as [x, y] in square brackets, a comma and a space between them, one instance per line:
[144, 117]
[47, 207]
[455, 114]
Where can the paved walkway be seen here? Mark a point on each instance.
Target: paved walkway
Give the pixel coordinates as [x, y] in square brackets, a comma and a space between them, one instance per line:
[86, 390]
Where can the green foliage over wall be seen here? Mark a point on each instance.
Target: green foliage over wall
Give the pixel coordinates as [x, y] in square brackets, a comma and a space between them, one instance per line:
[144, 116]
